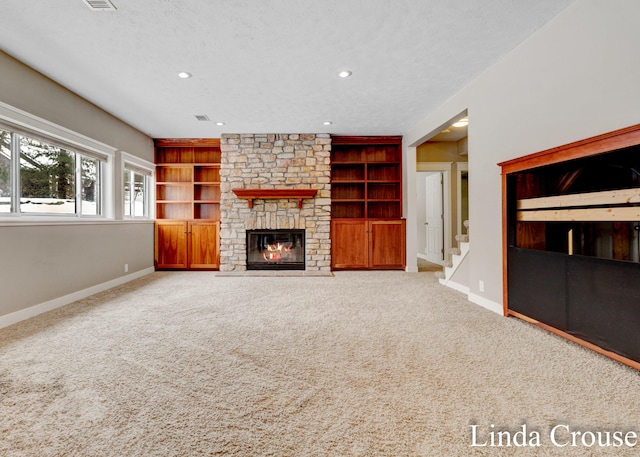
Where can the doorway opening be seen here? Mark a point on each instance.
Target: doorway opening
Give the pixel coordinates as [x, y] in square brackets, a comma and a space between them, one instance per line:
[444, 156]
[463, 197]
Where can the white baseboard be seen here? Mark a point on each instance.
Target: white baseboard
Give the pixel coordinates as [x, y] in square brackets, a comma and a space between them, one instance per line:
[455, 286]
[50, 305]
[473, 298]
[488, 304]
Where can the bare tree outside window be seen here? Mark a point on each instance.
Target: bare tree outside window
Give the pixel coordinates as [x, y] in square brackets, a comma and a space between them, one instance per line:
[38, 176]
[47, 178]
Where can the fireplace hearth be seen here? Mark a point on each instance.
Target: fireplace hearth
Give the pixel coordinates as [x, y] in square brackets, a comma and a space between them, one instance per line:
[281, 249]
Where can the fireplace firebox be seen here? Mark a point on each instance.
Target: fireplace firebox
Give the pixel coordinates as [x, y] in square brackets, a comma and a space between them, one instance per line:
[281, 249]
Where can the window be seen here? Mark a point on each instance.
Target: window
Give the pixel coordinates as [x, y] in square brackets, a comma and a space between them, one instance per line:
[90, 195]
[47, 178]
[38, 176]
[5, 171]
[135, 192]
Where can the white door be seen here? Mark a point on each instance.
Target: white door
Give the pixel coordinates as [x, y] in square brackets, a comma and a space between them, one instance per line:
[434, 218]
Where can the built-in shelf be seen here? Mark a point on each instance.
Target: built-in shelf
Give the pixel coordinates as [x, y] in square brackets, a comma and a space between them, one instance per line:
[274, 194]
[367, 229]
[187, 203]
[366, 177]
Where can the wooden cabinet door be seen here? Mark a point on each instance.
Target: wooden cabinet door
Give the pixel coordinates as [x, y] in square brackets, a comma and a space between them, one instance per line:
[349, 244]
[203, 245]
[171, 244]
[387, 244]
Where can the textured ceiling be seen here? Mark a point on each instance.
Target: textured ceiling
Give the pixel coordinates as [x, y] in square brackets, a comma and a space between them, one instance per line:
[269, 65]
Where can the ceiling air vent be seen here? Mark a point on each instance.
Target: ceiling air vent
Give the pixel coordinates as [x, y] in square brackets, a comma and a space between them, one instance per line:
[100, 5]
[202, 117]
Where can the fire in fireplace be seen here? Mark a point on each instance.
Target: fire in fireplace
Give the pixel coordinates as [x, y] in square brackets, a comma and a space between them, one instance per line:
[275, 249]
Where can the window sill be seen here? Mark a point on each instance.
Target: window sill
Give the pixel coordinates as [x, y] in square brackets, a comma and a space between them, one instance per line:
[42, 221]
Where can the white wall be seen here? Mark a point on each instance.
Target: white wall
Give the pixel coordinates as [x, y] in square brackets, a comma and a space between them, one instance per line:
[40, 262]
[26, 89]
[575, 78]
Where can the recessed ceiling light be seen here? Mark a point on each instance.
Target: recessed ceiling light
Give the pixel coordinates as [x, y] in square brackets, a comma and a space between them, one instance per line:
[184, 75]
[219, 123]
[327, 122]
[344, 74]
[461, 123]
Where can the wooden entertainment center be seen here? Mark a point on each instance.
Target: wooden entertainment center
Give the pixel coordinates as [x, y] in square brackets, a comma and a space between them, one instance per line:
[571, 237]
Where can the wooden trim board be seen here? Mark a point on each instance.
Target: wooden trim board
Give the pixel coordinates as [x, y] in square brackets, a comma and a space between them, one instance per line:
[615, 214]
[274, 194]
[186, 142]
[609, 197]
[575, 339]
[618, 139]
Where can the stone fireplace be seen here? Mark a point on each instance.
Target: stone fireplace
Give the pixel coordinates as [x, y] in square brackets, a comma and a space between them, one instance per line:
[275, 162]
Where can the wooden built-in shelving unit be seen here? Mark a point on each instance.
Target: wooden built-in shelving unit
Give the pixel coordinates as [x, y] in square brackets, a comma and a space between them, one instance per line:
[366, 177]
[187, 202]
[187, 180]
[366, 202]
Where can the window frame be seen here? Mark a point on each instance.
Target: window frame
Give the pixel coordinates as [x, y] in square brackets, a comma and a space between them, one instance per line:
[21, 123]
[112, 162]
[79, 154]
[99, 199]
[146, 169]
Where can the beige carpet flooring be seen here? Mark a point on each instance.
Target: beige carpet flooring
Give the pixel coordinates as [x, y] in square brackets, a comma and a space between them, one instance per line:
[359, 364]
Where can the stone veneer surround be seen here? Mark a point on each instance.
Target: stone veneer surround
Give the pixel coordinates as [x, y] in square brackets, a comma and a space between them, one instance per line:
[275, 161]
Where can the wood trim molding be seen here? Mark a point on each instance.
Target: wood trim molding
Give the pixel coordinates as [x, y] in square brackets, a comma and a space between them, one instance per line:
[575, 339]
[608, 197]
[617, 214]
[274, 194]
[366, 139]
[186, 142]
[505, 244]
[581, 207]
[606, 142]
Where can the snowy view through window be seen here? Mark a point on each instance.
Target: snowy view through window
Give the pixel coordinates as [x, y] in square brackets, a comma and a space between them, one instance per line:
[134, 207]
[49, 178]
[5, 171]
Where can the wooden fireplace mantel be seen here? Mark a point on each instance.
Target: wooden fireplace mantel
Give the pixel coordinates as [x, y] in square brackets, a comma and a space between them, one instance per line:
[274, 194]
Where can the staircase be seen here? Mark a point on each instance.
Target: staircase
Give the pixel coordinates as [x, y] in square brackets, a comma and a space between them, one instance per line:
[457, 257]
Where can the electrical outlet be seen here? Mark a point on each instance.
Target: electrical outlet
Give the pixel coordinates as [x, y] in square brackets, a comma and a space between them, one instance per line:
[126, 267]
[481, 285]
